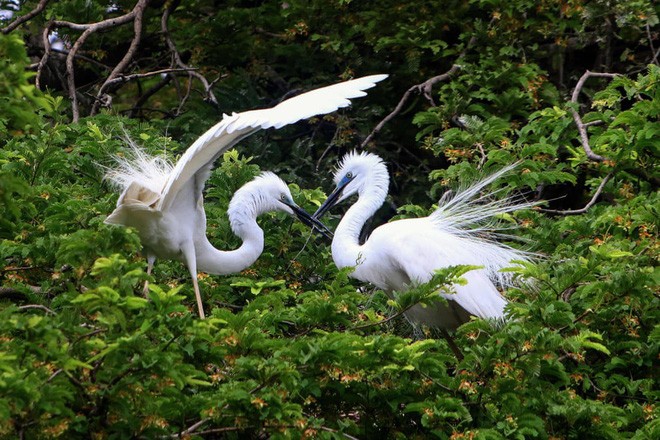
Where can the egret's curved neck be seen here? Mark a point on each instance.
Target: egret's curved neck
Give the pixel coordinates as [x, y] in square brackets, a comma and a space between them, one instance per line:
[346, 243]
[243, 211]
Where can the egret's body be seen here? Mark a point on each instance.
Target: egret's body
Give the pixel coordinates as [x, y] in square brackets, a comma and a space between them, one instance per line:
[407, 252]
[164, 202]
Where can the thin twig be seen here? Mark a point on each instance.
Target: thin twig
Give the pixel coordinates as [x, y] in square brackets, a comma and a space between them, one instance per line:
[23, 18]
[185, 97]
[225, 429]
[581, 126]
[83, 58]
[192, 428]
[424, 88]
[177, 57]
[650, 37]
[54, 375]
[482, 161]
[126, 78]
[336, 431]
[16, 269]
[330, 145]
[576, 320]
[37, 306]
[588, 205]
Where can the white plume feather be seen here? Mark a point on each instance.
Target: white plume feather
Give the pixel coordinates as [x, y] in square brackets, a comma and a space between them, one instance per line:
[471, 216]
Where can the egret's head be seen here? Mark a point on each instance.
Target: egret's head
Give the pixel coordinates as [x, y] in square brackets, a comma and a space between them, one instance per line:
[265, 193]
[356, 173]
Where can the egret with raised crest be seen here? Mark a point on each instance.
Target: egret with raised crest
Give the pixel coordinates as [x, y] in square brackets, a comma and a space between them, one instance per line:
[164, 202]
[407, 252]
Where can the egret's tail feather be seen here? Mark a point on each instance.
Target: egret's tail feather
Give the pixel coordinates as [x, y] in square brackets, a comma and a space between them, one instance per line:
[139, 167]
[471, 214]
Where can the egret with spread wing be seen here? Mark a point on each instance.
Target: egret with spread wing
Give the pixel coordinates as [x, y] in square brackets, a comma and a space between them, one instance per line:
[407, 252]
[164, 202]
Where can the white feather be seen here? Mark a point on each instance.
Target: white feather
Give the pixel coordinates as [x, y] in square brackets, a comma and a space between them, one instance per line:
[461, 231]
[231, 130]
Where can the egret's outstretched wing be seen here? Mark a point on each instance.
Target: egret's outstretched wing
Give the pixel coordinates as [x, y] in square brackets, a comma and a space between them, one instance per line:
[231, 129]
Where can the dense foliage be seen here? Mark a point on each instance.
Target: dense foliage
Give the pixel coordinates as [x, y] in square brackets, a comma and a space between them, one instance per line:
[294, 348]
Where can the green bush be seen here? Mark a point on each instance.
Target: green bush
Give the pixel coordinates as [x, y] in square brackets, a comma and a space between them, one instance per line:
[293, 347]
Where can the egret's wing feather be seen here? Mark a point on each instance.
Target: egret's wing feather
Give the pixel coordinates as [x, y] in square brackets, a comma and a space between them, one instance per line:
[418, 252]
[231, 129]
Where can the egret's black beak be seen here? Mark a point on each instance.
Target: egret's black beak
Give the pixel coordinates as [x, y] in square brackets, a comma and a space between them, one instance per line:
[310, 221]
[331, 201]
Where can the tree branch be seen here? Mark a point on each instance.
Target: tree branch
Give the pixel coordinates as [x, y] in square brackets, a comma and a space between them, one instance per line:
[588, 205]
[44, 58]
[424, 88]
[191, 429]
[24, 18]
[653, 52]
[176, 57]
[138, 14]
[581, 126]
[125, 78]
[88, 29]
[37, 306]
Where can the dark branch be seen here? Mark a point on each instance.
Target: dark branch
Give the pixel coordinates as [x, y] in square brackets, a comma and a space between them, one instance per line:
[138, 13]
[591, 203]
[176, 57]
[148, 94]
[24, 18]
[424, 88]
[88, 29]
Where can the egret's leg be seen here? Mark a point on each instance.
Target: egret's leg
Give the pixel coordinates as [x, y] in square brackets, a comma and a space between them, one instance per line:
[191, 262]
[452, 345]
[151, 259]
[198, 295]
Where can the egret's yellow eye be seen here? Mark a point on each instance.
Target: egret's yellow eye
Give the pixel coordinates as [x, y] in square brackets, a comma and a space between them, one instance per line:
[283, 197]
[349, 175]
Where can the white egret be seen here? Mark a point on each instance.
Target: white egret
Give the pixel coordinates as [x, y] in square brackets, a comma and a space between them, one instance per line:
[164, 202]
[407, 252]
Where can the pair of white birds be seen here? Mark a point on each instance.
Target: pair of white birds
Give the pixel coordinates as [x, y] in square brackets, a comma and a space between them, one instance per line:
[164, 203]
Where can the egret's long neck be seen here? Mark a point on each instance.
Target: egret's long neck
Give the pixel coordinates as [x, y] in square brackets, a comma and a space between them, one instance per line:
[243, 211]
[346, 243]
